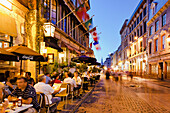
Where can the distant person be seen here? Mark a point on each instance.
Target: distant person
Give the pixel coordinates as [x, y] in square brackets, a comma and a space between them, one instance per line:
[56, 80]
[48, 79]
[107, 73]
[30, 80]
[78, 82]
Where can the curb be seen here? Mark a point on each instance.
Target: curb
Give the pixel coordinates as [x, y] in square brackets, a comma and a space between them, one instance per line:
[84, 98]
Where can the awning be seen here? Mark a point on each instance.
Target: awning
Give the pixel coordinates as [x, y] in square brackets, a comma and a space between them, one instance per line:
[7, 25]
[50, 42]
[77, 51]
[63, 44]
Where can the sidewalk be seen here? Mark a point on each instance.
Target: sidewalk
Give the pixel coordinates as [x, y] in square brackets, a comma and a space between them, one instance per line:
[164, 83]
[72, 106]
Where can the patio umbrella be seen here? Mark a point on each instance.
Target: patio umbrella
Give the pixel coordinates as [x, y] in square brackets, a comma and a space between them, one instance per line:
[95, 63]
[25, 53]
[84, 59]
[7, 56]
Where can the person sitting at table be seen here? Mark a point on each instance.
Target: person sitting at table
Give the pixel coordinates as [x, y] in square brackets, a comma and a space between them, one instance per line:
[56, 80]
[69, 80]
[30, 80]
[41, 86]
[3, 93]
[28, 94]
[7, 81]
[78, 82]
[48, 79]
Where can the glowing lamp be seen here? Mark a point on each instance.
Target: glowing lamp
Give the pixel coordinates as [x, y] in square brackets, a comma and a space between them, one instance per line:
[49, 29]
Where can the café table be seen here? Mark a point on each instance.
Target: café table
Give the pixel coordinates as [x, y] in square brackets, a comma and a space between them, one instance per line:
[62, 89]
[17, 109]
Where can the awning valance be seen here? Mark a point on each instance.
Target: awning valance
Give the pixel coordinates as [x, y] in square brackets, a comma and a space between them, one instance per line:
[50, 42]
[63, 44]
[7, 25]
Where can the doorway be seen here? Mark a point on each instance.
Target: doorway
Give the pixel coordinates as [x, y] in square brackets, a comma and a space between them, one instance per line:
[161, 70]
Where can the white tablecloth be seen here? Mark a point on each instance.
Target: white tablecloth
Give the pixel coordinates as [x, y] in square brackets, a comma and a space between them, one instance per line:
[19, 109]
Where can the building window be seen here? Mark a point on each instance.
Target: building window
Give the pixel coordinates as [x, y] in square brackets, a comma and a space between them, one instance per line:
[150, 47]
[144, 11]
[134, 24]
[54, 12]
[135, 49]
[141, 46]
[156, 45]
[145, 27]
[156, 26]
[141, 30]
[138, 32]
[163, 41]
[138, 20]
[140, 16]
[163, 20]
[46, 9]
[150, 30]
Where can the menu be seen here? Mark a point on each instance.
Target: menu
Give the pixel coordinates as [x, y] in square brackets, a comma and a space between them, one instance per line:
[56, 86]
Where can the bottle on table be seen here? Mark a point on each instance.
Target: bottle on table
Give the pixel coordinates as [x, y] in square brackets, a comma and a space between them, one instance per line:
[19, 101]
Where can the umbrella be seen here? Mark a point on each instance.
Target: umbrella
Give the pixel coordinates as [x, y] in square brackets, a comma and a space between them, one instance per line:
[84, 59]
[95, 63]
[7, 56]
[25, 53]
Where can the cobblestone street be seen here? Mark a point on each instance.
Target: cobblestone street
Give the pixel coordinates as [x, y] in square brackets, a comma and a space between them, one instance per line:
[136, 96]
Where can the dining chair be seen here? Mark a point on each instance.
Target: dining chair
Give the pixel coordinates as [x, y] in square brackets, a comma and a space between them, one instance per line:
[64, 93]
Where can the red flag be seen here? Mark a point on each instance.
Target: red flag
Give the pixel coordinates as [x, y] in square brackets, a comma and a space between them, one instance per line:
[94, 34]
[87, 17]
[90, 45]
[81, 11]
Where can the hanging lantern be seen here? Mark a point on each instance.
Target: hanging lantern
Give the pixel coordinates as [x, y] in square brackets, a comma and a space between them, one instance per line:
[49, 29]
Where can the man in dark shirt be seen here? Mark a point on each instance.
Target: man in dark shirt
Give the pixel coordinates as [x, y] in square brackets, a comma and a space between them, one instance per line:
[28, 94]
[30, 80]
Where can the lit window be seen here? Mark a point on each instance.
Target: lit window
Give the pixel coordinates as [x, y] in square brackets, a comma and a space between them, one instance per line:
[150, 30]
[156, 45]
[156, 26]
[163, 20]
[163, 42]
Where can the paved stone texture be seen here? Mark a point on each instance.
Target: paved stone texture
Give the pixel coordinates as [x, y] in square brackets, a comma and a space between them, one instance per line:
[126, 96]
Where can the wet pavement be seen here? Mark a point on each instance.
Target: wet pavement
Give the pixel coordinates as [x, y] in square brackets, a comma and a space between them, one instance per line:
[126, 96]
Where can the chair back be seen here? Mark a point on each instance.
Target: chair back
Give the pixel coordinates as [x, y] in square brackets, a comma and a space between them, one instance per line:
[41, 101]
[65, 85]
[84, 79]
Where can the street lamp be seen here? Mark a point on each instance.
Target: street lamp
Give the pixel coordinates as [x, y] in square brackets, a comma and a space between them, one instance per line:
[49, 29]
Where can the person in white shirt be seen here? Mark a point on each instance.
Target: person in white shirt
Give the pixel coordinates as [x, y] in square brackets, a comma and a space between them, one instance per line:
[68, 79]
[41, 86]
[78, 82]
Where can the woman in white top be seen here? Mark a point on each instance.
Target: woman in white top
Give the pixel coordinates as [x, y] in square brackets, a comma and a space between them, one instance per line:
[78, 82]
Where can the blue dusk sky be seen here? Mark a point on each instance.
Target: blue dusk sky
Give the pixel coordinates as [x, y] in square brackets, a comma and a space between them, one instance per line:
[109, 18]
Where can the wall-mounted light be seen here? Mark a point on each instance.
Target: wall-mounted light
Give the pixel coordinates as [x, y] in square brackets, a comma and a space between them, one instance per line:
[135, 37]
[168, 39]
[49, 29]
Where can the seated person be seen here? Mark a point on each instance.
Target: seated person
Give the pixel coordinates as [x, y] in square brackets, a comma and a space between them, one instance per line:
[30, 80]
[7, 81]
[48, 79]
[78, 81]
[68, 79]
[56, 80]
[3, 93]
[28, 94]
[41, 86]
